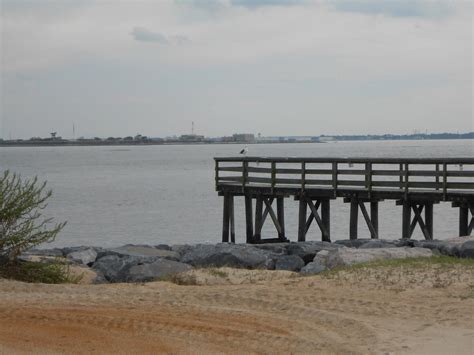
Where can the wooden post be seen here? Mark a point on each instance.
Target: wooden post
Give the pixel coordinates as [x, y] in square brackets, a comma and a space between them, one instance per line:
[400, 168]
[406, 219]
[445, 180]
[225, 221]
[303, 176]
[216, 167]
[429, 218]
[302, 219]
[334, 178]
[326, 217]
[353, 218]
[437, 177]
[463, 220]
[258, 218]
[232, 218]
[281, 216]
[374, 217]
[249, 218]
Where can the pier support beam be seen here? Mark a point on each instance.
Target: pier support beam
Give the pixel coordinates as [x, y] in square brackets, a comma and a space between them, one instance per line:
[281, 217]
[228, 222]
[249, 218]
[409, 225]
[372, 221]
[354, 218]
[261, 215]
[323, 221]
[302, 220]
[466, 225]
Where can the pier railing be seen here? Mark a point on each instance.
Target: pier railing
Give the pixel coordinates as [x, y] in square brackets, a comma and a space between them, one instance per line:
[439, 176]
[415, 184]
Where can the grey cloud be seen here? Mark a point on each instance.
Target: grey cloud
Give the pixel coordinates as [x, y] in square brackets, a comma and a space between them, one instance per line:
[145, 35]
[179, 39]
[216, 5]
[260, 3]
[395, 8]
[43, 10]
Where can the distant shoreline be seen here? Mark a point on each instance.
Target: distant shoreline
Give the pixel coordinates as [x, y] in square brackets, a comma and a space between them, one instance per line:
[131, 143]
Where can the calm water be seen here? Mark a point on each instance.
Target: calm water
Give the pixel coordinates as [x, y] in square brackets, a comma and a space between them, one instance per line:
[165, 194]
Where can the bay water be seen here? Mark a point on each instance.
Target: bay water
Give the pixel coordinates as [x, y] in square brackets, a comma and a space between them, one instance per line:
[114, 195]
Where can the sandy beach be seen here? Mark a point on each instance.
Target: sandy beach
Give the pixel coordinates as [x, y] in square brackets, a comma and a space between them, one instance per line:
[241, 311]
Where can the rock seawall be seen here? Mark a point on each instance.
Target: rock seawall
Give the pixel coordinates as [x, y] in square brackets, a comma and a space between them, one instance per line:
[142, 263]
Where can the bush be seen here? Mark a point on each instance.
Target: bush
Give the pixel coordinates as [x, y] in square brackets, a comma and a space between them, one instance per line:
[22, 225]
[27, 271]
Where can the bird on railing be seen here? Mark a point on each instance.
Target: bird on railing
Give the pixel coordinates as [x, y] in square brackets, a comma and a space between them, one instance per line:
[244, 151]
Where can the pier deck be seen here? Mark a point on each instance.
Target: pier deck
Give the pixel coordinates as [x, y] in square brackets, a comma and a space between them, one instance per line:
[415, 184]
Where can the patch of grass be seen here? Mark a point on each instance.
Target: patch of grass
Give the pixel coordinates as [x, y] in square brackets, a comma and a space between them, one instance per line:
[442, 262]
[400, 274]
[217, 272]
[183, 279]
[52, 273]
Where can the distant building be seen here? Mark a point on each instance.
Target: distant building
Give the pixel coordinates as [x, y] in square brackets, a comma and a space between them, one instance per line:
[191, 138]
[244, 137]
[326, 139]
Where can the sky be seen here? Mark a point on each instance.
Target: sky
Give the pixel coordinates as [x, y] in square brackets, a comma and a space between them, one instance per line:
[275, 67]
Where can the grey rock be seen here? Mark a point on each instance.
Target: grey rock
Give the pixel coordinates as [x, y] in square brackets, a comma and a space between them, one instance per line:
[352, 243]
[69, 250]
[56, 252]
[43, 259]
[112, 265]
[318, 265]
[466, 250]
[450, 249]
[289, 262]
[350, 256]
[155, 270]
[277, 248]
[378, 243]
[322, 257]
[405, 243]
[143, 251]
[125, 268]
[182, 249]
[233, 255]
[163, 247]
[313, 268]
[439, 247]
[308, 250]
[84, 257]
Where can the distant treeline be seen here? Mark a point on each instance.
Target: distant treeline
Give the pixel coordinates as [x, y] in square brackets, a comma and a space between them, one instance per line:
[417, 136]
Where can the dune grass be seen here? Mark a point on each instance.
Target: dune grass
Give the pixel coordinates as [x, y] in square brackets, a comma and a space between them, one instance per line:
[35, 272]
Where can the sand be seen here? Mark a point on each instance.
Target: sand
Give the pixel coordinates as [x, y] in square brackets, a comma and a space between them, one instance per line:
[239, 311]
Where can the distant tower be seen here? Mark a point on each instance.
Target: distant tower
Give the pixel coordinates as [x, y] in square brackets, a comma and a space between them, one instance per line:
[192, 128]
[73, 131]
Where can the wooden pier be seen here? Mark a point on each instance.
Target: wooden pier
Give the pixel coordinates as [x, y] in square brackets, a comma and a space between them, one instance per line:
[415, 184]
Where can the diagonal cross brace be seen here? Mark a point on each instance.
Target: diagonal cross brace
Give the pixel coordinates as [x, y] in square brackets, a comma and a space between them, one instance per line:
[471, 223]
[314, 213]
[373, 232]
[418, 218]
[269, 209]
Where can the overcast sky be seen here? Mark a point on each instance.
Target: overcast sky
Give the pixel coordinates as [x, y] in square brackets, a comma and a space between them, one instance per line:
[278, 67]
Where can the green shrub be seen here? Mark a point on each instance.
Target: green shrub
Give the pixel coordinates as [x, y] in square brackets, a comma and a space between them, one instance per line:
[54, 273]
[22, 225]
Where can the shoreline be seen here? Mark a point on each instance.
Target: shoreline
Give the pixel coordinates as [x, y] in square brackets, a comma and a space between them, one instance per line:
[393, 309]
[26, 143]
[145, 263]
